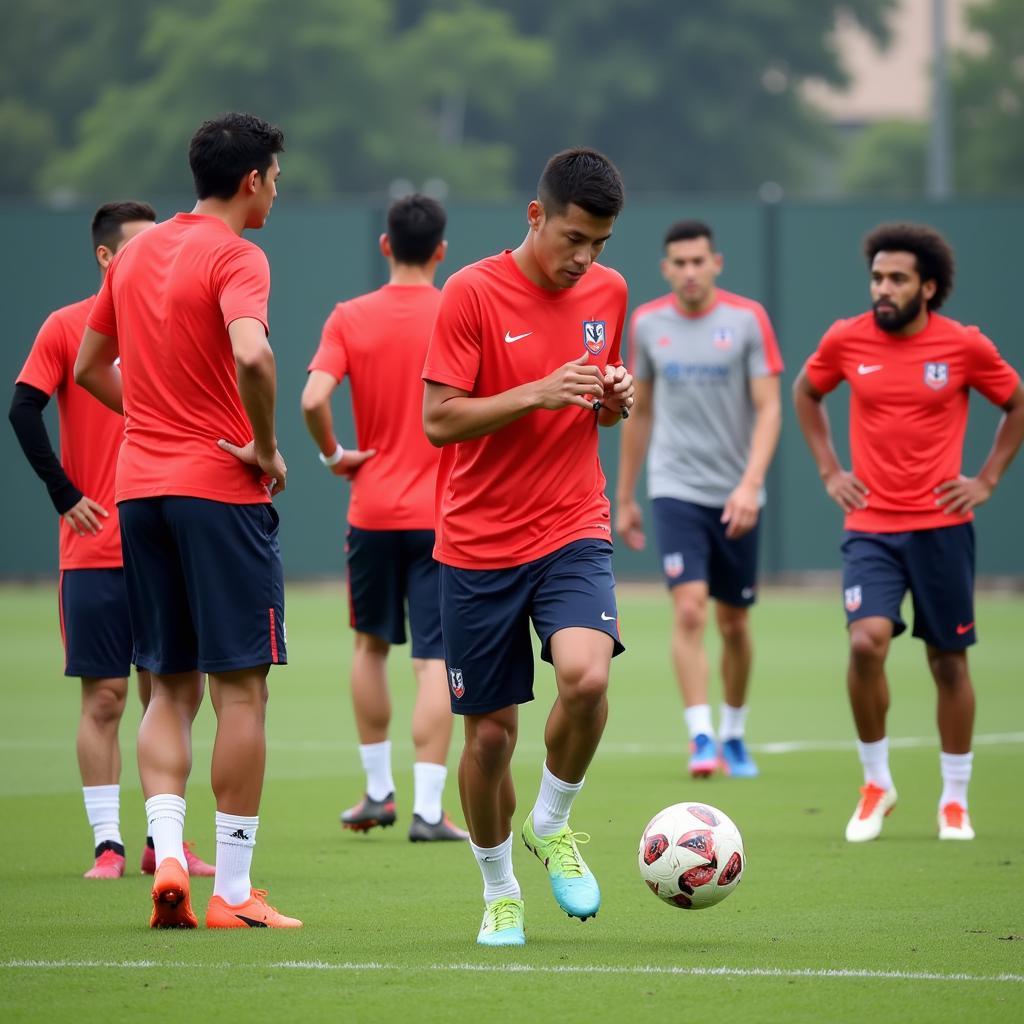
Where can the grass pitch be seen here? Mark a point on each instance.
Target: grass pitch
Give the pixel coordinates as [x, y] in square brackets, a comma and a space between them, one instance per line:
[903, 929]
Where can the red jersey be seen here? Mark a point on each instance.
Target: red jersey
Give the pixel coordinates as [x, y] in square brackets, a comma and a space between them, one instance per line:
[90, 434]
[908, 411]
[168, 298]
[379, 341]
[536, 484]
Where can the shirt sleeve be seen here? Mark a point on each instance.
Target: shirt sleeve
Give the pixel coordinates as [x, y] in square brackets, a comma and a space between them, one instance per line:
[102, 318]
[46, 365]
[824, 367]
[332, 355]
[453, 356]
[640, 364]
[243, 284]
[763, 356]
[987, 371]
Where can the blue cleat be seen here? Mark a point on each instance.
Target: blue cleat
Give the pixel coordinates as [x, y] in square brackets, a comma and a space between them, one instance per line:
[736, 760]
[703, 756]
[573, 884]
[503, 924]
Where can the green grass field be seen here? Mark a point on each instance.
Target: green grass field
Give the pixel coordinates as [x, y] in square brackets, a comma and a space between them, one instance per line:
[903, 929]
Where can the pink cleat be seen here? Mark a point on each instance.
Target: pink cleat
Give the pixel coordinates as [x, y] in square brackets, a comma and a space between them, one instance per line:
[109, 864]
[197, 867]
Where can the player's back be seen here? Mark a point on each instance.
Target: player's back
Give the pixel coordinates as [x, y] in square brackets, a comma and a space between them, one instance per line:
[173, 297]
[379, 341]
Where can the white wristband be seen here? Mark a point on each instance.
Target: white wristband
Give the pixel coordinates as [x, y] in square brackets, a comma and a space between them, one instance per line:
[333, 460]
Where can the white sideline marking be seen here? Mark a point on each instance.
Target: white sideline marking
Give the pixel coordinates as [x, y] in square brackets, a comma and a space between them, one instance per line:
[710, 972]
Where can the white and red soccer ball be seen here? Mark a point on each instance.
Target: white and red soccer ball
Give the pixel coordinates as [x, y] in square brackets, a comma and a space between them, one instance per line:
[691, 855]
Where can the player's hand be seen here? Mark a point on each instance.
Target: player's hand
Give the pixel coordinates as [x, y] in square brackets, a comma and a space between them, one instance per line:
[85, 516]
[272, 466]
[629, 524]
[575, 383]
[742, 508]
[846, 490]
[959, 496]
[351, 461]
[618, 389]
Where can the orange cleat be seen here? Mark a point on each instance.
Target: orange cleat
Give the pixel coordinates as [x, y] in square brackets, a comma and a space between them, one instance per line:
[109, 864]
[197, 867]
[172, 907]
[255, 912]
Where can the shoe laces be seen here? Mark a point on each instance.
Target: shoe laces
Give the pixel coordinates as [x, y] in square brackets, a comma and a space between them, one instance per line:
[504, 914]
[563, 850]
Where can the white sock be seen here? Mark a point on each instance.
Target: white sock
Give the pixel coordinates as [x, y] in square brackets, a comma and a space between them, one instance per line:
[698, 720]
[554, 801]
[376, 758]
[103, 809]
[874, 757]
[732, 722]
[165, 813]
[236, 837]
[428, 781]
[496, 867]
[956, 775]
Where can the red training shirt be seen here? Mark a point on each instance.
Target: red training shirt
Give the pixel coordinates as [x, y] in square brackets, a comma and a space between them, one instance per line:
[379, 341]
[908, 411]
[90, 434]
[168, 298]
[536, 484]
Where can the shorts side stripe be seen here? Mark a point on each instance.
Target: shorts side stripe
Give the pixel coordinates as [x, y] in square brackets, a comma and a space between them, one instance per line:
[273, 637]
[60, 612]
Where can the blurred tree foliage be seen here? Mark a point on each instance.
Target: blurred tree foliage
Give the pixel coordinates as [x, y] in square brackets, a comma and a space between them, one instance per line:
[101, 97]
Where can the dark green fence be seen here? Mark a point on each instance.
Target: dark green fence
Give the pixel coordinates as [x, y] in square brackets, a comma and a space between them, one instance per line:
[802, 260]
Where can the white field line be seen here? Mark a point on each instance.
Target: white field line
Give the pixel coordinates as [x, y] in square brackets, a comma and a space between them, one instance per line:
[454, 968]
[611, 747]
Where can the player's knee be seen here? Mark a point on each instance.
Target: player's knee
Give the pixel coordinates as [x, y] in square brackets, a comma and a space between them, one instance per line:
[491, 743]
[104, 705]
[734, 626]
[585, 688]
[691, 615]
[948, 668]
[868, 643]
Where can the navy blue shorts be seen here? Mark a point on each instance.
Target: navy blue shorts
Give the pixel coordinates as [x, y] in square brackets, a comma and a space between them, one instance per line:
[693, 547]
[94, 623]
[205, 585]
[486, 614]
[388, 569]
[936, 566]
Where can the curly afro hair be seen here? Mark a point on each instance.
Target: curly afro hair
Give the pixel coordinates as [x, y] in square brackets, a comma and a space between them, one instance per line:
[935, 261]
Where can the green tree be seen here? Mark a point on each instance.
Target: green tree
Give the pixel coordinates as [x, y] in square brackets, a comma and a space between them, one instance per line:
[361, 100]
[886, 160]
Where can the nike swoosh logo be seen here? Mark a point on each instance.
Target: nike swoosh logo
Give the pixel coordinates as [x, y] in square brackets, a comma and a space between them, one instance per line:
[607, 618]
[862, 369]
[509, 338]
[960, 630]
[252, 922]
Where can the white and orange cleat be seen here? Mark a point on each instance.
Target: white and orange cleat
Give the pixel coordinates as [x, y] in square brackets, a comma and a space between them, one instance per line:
[874, 806]
[954, 822]
[255, 912]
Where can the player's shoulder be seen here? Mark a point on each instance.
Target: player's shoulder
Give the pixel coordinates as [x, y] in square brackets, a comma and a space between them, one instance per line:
[71, 317]
[969, 334]
[655, 307]
[491, 271]
[848, 328]
[733, 300]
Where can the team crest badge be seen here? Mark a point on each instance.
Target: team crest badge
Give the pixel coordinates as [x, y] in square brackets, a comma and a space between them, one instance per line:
[457, 685]
[594, 336]
[673, 565]
[852, 598]
[936, 375]
[722, 338]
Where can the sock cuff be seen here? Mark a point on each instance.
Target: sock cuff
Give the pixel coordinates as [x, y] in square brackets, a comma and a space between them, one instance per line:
[493, 852]
[556, 783]
[429, 768]
[877, 748]
[236, 829]
[102, 792]
[166, 805]
[373, 748]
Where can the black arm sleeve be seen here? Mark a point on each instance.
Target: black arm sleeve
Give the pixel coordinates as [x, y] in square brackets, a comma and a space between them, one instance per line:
[26, 417]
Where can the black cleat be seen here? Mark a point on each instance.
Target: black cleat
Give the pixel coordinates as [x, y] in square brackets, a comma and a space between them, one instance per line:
[369, 814]
[444, 830]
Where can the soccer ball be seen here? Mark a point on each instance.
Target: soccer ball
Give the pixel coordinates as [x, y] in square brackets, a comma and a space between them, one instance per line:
[691, 855]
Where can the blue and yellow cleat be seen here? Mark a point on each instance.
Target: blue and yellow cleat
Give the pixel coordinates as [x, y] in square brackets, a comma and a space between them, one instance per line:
[503, 923]
[573, 884]
[736, 760]
[703, 756]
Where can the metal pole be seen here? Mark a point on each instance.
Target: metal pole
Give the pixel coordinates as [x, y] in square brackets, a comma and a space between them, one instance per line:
[940, 141]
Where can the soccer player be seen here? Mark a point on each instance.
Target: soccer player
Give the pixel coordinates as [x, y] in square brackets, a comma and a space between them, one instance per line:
[908, 506]
[93, 605]
[379, 342]
[183, 310]
[522, 368]
[708, 403]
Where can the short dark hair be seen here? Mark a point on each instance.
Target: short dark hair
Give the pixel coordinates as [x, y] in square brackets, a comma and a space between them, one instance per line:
[686, 230]
[224, 150]
[107, 221]
[934, 255]
[416, 226]
[583, 177]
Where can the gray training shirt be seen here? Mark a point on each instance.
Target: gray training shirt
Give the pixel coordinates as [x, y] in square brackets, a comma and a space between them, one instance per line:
[703, 415]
